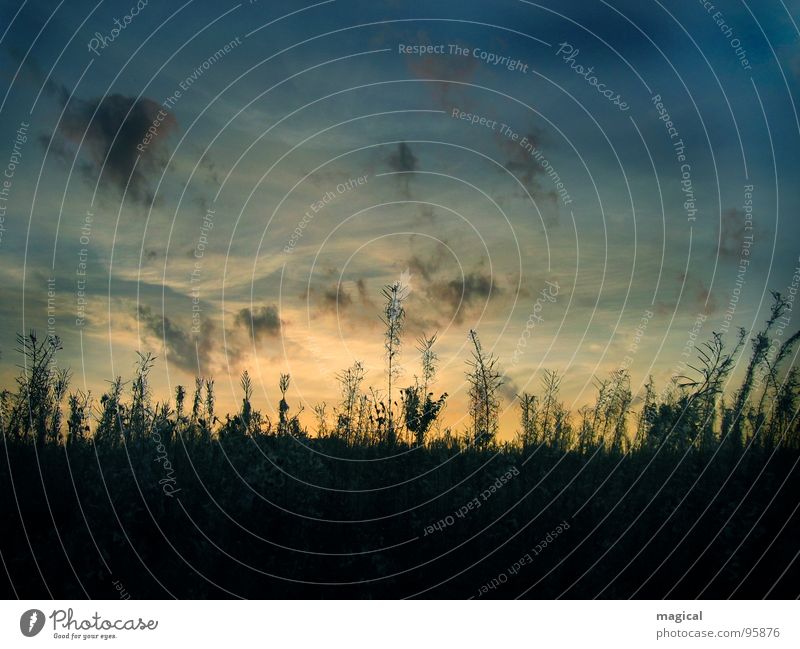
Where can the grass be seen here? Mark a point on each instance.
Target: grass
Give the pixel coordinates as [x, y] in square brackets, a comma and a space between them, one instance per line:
[692, 493]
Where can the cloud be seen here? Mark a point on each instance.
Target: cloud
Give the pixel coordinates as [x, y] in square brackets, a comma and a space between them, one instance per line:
[263, 321]
[445, 293]
[403, 161]
[119, 129]
[457, 294]
[426, 212]
[510, 389]
[189, 352]
[731, 233]
[426, 266]
[352, 299]
[37, 76]
[524, 166]
[442, 71]
[329, 299]
[700, 296]
[363, 293]
[696, 297]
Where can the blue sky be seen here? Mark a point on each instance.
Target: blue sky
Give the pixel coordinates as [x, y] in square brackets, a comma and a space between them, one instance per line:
[312, 95]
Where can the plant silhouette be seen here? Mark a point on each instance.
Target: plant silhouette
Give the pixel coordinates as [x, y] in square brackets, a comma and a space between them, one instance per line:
[166, 493]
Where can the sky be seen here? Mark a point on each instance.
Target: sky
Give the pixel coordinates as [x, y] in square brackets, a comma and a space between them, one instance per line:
[589, 186]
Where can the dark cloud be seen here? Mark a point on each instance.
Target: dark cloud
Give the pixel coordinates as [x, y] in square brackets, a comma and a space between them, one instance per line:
[261, 322]
[332, 299]
[351, 299]
[458, 294]
[444, 293]
[116, 128]
[329, 299]
[426, 266]
[188, 351]
[525, 166]
[403, 161]
[363, 293]
[732, 233]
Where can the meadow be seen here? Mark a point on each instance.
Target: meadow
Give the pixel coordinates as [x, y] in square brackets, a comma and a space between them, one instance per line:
[688, 491]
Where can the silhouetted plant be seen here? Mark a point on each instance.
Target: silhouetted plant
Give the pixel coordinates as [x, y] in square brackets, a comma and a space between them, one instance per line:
[420, 408]
[684, 416]
[246, 422]
[484, 386]
[197, 403]
[60, 383]
[600, 406]
[647, 414]
[109, 427]
[393, 321]
[551, 383]
[784, 412]
[140, 412]
[283, 406]
[6, 410]
[40, 388]
[287, 425]
[378, 424]
[78, 429]
[365, 423]
[528, 415]
[350, 384]
[712, 368]
[180, 399]
[321, 418]
[775, 393]
[586, 435]
[163, 426]
[616, 410]
[210, 402]
[760, 346]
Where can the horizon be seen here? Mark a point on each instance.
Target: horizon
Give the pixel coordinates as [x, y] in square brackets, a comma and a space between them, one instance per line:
[683, 372]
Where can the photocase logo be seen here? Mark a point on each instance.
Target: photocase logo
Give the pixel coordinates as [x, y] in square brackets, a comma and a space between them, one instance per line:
[31, 622]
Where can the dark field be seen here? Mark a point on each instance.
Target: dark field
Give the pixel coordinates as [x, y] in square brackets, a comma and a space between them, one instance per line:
[281, 517]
